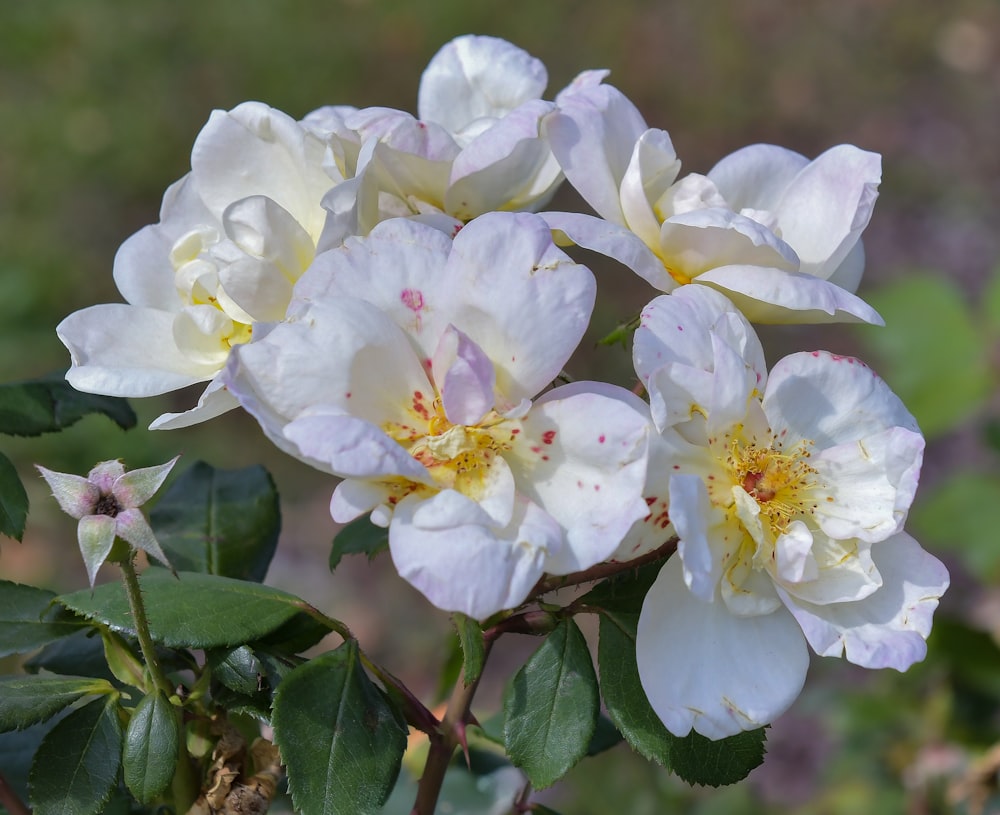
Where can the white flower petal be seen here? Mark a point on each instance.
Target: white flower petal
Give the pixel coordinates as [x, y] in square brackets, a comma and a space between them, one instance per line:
[873, 481]
[397, 268]
[508, 167]
[341, 353]
[592, 135]
[476, 77]
[699, 240]
[285, 162]
[352, 448]
[888, 629]
[845, 572]
[830, 399]
[652, 169]
[521, 299]
[581, 456]
[756, 176]
[827, 206]
[615, 242]
[265, 231]
[447, 548]
[702, 532]
[214, 401]
[704, 669]
[771, 295]
[123, 350]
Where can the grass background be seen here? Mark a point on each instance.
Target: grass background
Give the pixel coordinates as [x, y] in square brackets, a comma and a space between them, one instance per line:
[100, 101]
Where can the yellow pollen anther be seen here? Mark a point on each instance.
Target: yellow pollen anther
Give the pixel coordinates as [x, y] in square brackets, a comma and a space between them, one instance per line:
[779, 482]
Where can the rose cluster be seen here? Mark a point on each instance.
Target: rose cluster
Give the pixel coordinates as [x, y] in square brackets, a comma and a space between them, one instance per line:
[386, 295]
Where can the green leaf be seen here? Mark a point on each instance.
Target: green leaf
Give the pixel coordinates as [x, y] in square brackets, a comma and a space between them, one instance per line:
[605, 736]
[624, 592]
[28, 620]
[551, 707]
[236, 668]
[360, 536]
[50, 404]
[623, 694]
[920, 364]
[13, 501]
[17, 749]
[151, 740]
[192, 610]
[76, 766]
[962, 515]
[341, 741]
[991, 304]
[699, 760]
[79, 654]
[28, 700]
[470, 635]
[222, 522]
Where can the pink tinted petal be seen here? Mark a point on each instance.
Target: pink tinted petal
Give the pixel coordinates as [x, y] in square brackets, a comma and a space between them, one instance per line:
[888, 629]
[827, 206]
[770, 295]
[352, 448]
[521, 299]
[465, 378]
[593, 135]
[508, 167]
[473, 77]
[396, 268]
[704, 669]
[96, 536]
[400, 133]
[136, 487]
[122, 350]
[341, 353]
[871, 482]
[447, 548]
[615, 242]
[104, 474]
[676, 328]
[755, 177]
[132, 526]
[75, 495]
[830, 400]
[581, 456]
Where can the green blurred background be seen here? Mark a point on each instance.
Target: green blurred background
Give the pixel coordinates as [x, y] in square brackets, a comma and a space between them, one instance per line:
[100, 101]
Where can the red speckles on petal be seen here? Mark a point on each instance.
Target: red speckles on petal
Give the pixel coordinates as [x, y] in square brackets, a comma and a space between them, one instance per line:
[815, 353]
[412, 299]
[347, 395]
[456, 229]
[536, 449]
[549, 435]
[597, 487]
[680, 328]
[515, 431]
[420, 406]
[545, 458]
[601, 439]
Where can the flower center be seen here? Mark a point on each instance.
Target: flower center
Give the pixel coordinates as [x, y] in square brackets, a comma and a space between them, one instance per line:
[457, 456]
[781, 483]
[107, 505]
